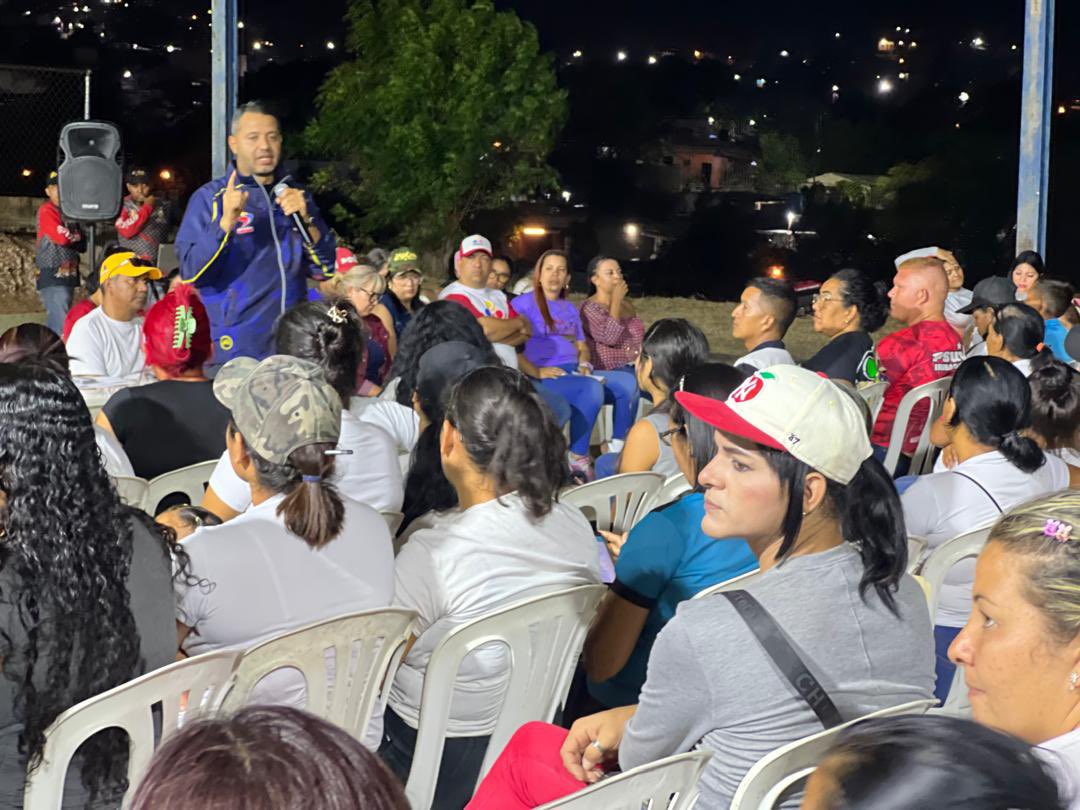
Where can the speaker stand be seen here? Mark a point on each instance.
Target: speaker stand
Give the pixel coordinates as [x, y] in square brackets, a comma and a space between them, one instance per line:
[92, 248]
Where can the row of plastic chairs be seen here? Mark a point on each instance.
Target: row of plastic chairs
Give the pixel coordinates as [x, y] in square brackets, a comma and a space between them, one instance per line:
[189, 481]
[933, 393]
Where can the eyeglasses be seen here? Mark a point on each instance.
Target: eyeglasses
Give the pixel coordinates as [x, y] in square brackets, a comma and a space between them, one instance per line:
[824, 298]
[666, 435]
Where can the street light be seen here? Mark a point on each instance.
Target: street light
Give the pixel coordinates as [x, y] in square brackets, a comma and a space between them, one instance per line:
[964, 97]
[534, 230]
[652, 60]
[127, 74]
[632, 231]
[165, 174]
[884, 87]
[791, 216]
[330, 45]
[621, 56]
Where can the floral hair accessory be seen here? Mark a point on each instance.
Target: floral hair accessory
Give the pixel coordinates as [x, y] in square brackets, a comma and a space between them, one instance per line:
[337, 314]
[183, 327]
[1059, 530]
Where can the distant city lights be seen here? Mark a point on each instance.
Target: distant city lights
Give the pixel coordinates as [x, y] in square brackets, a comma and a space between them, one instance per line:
[836, 35]
[330, 45]
[698, 54]
[127, 74]
[26, 172]
[884, 87]
[577, 54]
[632, 231]
[1061, 109]
[836, 88]
[256, 45]
[621, 56]
[652, 60]
[785, 54]
[165, 174]
[534, 230]
[978, 43]
[759, 83]
[737, 77]
[964, 97]
[566, 195]
[170, 48]
[752, 122]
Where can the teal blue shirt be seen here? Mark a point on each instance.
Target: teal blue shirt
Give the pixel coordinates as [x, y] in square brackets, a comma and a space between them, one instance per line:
[1054, 338]
[666, 560]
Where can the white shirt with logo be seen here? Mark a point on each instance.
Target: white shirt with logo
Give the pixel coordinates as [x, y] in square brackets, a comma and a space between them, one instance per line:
[485, 303]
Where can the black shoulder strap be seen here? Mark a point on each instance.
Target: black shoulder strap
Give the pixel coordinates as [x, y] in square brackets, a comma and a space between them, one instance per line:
[980, 486]
[779, 649]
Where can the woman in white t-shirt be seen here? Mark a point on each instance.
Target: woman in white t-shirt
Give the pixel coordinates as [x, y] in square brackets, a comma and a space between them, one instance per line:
[302, 552]
[1020, 648]
[508, 540]
[985, 414]
[329, 334]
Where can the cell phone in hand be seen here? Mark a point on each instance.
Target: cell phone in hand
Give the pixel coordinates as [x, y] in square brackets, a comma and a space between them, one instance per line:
[607, 565]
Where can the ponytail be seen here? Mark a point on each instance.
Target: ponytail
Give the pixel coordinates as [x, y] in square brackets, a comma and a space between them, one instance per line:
[1021, 451]
[870, 516]
[312, 508]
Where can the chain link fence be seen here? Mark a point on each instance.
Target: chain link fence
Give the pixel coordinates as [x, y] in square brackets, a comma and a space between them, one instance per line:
[35, 103]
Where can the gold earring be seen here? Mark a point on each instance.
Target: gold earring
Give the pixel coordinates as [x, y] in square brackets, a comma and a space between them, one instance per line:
[1074, 681]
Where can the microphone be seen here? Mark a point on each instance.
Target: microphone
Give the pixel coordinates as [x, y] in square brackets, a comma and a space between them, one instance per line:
[280, 189]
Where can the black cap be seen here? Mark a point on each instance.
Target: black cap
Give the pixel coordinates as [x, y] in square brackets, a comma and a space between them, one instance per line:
[443, 365]
[990, 292]
[136, 174]
[1072, 343]
[53, 178]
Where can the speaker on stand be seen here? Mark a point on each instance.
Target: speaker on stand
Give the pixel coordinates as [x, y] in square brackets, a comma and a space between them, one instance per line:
[90, 175]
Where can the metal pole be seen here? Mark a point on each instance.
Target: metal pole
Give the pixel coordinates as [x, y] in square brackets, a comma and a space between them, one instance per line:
[223, 80]
[86, 96]
[1035, 108]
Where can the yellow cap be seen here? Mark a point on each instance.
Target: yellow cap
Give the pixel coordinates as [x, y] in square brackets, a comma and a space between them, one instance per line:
[123, 264]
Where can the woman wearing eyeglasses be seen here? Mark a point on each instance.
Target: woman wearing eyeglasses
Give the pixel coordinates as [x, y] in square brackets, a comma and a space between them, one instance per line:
[847, 309]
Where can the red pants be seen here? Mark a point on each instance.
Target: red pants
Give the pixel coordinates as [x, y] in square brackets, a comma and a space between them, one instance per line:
[528, 773]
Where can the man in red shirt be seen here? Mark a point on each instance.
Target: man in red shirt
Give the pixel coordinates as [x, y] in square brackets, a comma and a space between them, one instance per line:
[926, 350]
[57, 256]
[143, 223]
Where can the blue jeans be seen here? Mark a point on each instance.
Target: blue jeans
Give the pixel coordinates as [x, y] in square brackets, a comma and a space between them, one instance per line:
[944, 669]
[556, 403]
[585, 397]
[621, 392]
[57, 302]
[607, 465]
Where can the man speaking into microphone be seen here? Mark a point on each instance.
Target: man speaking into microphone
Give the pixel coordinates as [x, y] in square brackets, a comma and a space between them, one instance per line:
[250, 240]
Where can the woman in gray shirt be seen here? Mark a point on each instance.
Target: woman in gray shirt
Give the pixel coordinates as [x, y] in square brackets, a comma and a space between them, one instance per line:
[833, 562]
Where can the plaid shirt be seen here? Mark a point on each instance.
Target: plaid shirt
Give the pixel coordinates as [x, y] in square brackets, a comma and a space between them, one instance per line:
[612, 343]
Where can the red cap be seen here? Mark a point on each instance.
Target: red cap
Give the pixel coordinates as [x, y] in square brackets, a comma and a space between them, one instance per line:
[344, 259]
[718, 414]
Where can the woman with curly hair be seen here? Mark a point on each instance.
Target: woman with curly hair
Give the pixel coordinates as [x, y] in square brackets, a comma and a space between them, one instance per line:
[508, 539]
[86, 596]
[175, 421]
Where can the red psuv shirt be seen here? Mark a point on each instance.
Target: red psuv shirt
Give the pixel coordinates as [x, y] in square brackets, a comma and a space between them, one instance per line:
[909, 358]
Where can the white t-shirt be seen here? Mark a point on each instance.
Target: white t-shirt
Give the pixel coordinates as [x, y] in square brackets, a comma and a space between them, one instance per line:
[258, 580]
[941, 506]
[485, 303]
[114, 458]
[103, 347]
[370, 475]
[402, 424]
[765, 356]
[1063, 755]
[467, 565]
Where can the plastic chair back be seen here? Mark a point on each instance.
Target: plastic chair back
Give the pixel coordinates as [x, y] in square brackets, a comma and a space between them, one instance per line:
[370, 644]
[741, 581]
[673, 488]
[777, 773]
[185, 690]
[191, 481]
[132, 490]
[618, 502]
[922, 460]
[667, 784]
[948, 554]
[544, 635]
[873, 395]
[916, 547]
[393, 521]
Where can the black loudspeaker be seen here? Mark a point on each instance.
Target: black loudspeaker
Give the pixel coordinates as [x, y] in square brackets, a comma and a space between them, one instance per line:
[91, 177]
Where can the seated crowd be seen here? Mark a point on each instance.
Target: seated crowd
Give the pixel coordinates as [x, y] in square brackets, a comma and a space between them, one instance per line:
[463, 420]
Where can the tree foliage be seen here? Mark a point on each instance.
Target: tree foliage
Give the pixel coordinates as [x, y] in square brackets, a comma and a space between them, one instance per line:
[447, 108]
[784, 167]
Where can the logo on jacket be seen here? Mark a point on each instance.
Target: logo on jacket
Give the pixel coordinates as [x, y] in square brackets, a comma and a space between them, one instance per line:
[246, 223]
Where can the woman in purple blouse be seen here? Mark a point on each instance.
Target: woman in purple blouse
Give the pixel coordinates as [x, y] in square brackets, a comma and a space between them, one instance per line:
[558, 356]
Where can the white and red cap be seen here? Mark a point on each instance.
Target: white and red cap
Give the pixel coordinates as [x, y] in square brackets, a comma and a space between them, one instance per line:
[795, 410]
[344, 260]
[476, 244]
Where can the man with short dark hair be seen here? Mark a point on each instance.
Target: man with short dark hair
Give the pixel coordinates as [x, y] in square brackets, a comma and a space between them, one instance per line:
[1051, 298]
[143, 223]
[927, 349]
[240, 246]
[57, 257]
[765, 312]
[988, 294]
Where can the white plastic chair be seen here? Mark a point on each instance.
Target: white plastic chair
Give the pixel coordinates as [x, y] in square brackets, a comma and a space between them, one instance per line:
[922, 460]
[185, 690]
[873, 394]
[604, 426]
[741, 581]
[190, 480]
[393, 521]
[667, 784]
[672, 489]
[916, 547]
[132, 490]
[776, 773]
[544, 635]
[618, 502]
[370, 643]
[945, 556]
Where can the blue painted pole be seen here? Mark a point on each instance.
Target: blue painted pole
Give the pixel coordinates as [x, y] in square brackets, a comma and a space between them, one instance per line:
[224, 71]
[1035, 109]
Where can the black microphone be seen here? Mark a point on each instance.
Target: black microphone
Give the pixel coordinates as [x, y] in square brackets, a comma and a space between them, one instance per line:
[279, 189]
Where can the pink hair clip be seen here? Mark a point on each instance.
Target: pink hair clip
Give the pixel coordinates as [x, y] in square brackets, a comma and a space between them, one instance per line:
[1059, 530]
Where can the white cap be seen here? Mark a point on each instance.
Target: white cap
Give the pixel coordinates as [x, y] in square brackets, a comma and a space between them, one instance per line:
[918, 253]
[796, 410]
[473, 244]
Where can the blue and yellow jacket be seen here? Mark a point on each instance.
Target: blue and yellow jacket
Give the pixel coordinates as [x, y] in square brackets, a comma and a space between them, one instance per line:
[252, 274]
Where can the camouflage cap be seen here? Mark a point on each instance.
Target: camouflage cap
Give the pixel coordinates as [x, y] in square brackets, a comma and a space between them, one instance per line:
[403, 260]
[280, 404]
